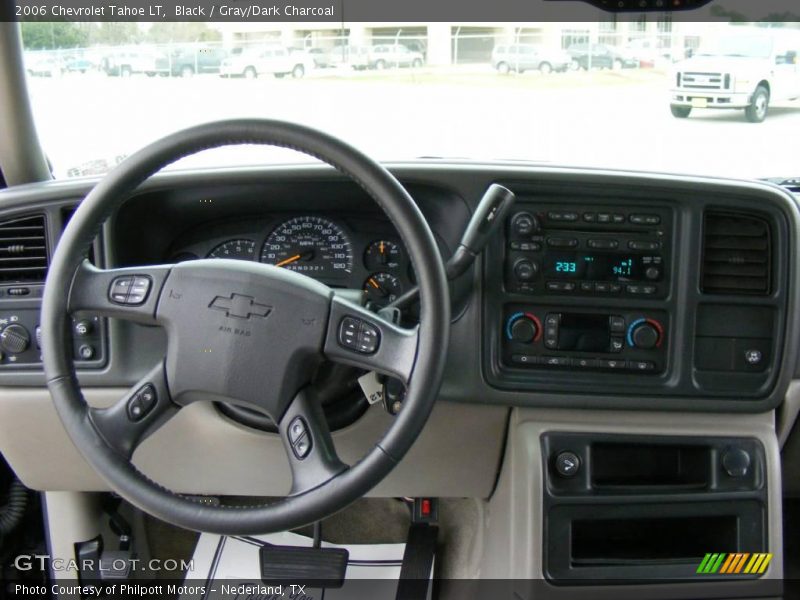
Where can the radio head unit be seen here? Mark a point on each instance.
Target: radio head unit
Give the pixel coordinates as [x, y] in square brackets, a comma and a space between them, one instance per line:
[593, 250]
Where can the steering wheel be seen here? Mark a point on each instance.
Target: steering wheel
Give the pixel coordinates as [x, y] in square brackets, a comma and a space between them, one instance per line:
[245, 333]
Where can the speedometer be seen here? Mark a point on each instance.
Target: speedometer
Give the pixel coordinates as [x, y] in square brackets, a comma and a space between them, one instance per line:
[310, 245]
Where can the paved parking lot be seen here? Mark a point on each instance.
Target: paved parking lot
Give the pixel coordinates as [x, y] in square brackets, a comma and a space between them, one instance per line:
[616, 119]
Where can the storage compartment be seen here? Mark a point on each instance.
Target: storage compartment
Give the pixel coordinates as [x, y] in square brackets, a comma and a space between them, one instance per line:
[640, 541]
[633, 541]
[633, 465]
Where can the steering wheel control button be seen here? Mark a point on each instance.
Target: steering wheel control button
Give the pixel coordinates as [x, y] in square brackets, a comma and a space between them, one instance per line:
[297, 429]
[359, 335]
[567, 464]
[348, 332]
[142, 402]
[131, 290]
[368, 338]
[302, 447]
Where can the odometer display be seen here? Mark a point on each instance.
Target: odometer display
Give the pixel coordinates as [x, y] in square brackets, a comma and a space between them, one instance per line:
[310, 245]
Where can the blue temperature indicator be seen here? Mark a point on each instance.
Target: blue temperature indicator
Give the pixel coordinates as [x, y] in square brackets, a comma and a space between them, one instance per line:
[564, 266]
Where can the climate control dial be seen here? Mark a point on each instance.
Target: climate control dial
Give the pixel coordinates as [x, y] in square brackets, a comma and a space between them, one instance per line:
[645, 334]
[523, 328]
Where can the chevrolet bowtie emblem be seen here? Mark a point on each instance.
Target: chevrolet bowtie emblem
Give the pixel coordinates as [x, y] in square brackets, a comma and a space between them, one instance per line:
[241, 307]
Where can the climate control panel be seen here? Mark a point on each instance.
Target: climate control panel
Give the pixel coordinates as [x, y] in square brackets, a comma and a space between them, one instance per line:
[585, 339]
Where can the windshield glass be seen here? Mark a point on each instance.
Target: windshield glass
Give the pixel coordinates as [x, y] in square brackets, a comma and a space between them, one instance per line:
[649, 94]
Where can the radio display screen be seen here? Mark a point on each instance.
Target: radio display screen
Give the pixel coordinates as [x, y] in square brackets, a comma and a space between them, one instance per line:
[593, 266]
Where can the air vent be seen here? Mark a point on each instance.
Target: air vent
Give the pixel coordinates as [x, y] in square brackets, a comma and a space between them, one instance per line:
[736, 254]
[23, 250]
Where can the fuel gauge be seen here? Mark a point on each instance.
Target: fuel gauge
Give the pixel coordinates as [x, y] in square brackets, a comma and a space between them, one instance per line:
[382, 254]
[382, 288]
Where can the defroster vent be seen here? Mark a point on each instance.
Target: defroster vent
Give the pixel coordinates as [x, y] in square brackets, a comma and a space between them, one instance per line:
[23, 250]
[737, 254]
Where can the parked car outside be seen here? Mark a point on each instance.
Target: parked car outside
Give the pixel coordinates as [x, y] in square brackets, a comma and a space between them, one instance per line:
[384, 56]
[277, 61]
[127, 62]
[355, 57]
[189, 61]
[601, 56]
[43, 66]
[528, 57]
[79, 65]
[747, 70]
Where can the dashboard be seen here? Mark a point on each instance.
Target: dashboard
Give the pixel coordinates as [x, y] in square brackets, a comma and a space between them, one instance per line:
[603, 289]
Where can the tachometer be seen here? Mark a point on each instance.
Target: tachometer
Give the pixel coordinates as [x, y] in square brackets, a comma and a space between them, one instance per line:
[313, 246]
[237, 249]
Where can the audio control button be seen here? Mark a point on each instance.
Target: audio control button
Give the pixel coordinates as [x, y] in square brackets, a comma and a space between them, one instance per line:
[525, 270]
[561, 242]
[524, 223]
[603, 244]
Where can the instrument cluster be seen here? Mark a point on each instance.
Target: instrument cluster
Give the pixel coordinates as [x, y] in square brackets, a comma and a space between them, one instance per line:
[345, 253]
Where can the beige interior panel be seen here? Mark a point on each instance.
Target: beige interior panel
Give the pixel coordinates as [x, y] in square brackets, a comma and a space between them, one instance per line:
[202, 452]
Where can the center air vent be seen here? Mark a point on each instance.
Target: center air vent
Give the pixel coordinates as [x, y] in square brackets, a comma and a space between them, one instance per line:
[737, 252]
[23, 250]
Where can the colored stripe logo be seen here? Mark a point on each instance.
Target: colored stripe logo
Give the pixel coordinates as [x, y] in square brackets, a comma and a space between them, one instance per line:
[737, 563]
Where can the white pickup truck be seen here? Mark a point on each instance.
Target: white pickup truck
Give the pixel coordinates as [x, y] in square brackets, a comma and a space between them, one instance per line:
[739, 71]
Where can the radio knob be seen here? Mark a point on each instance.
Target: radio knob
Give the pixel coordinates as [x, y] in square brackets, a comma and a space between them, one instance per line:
[524, 223]
[525, 270]
[652, 273]
[524, 330]
[15, 339]
[644, 335]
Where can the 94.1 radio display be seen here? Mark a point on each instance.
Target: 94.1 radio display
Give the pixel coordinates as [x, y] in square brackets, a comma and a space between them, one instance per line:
[595, 266]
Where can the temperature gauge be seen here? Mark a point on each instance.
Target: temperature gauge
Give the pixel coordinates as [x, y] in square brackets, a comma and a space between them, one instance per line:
[382, 254]
[382, 288]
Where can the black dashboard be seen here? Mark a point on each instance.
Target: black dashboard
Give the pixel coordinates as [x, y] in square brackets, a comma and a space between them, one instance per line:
[604, 289]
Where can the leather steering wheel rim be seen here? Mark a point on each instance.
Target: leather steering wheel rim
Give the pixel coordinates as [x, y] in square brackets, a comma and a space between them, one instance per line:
[347, 485]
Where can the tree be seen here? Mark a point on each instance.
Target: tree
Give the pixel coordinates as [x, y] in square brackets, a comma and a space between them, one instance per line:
[39, 35]
[162, 33]
[115, 34]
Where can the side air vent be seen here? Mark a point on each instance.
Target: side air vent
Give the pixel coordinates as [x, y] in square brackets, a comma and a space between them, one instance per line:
[737, 251]
[23, 250]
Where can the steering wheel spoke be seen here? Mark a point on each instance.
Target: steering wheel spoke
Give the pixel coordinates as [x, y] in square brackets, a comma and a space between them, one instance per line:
[361, 338]
[308, 443]
[145, 408]
[129, 293]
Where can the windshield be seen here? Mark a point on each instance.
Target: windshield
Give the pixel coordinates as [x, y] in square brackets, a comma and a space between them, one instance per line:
[622, 95]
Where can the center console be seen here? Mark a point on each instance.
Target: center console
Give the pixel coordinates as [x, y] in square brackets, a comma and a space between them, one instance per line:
[600, 291]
